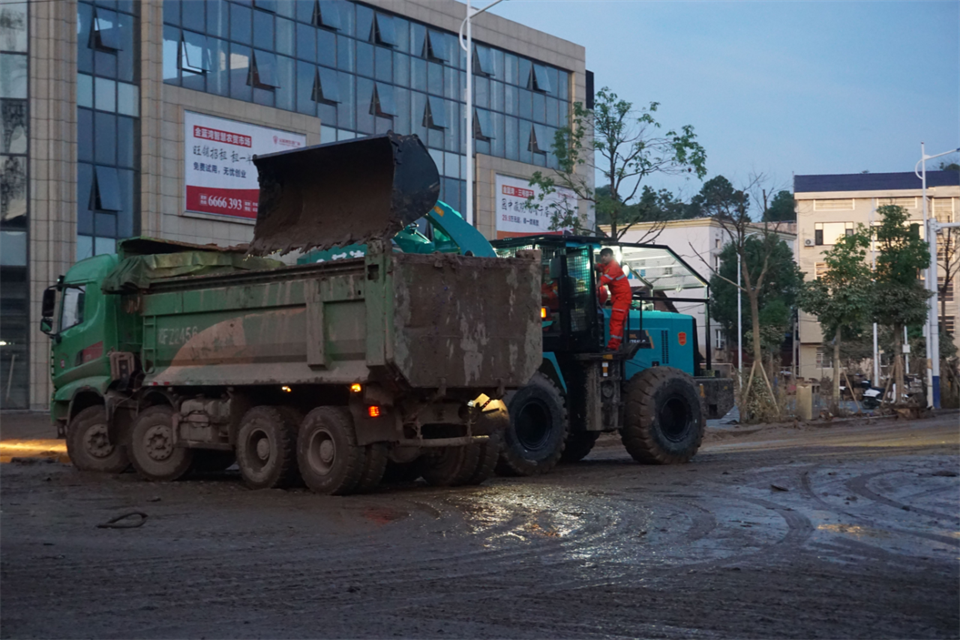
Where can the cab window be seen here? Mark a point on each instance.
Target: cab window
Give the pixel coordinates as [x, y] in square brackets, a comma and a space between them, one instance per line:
[72, 315]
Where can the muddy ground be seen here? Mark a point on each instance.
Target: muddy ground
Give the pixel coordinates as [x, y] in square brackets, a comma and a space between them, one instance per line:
[836, 532]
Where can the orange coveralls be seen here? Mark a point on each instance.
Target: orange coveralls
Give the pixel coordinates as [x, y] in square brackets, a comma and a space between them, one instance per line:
[621, 295]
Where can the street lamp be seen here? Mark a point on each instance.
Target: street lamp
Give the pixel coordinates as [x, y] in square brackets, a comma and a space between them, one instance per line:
[933, 329]
[466, 43]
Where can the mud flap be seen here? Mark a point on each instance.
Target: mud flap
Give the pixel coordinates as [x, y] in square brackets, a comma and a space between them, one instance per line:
[342, 193]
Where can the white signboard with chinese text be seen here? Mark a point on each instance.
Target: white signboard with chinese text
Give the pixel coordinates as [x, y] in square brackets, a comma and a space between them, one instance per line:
[219, 175]
[516, 218]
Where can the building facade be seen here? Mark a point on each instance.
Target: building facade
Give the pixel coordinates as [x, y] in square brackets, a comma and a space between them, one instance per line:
[699, 242]
[830, 206]
[125, 118]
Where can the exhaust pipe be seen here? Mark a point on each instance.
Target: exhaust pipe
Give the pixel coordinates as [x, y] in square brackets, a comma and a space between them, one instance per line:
[342, 193]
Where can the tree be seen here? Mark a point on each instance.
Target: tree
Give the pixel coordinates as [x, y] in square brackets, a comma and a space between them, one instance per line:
[717, 197]
[782, 208]
[948, 263]
[626, 146]
[899, 300]
[840, 297]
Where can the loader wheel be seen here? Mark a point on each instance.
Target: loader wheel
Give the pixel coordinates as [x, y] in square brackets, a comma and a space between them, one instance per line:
[664, 419]
[152, 450]
[267, 448]
[579, 445]
[488, 454]
[450, 466]
[331, 461]
[538, 427]
[89, 446]
[374, 466]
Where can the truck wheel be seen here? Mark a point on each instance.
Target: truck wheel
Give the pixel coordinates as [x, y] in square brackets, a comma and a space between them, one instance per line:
[538, 429]
[579, 444]
[450, 466]
[331, 461]
[89, 446]
[152, 450]
[267, 448]
[374, 466]
[488, 454]
[664, 419]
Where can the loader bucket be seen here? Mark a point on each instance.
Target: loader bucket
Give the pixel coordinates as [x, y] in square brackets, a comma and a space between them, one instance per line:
[343, 193]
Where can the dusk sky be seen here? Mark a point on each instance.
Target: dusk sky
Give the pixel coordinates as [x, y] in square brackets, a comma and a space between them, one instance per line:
[777, 87]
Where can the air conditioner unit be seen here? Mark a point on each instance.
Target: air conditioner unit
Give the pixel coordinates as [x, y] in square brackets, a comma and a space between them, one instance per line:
[808, 242]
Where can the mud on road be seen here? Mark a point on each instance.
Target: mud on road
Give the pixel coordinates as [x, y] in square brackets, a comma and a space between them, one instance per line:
[842, 532]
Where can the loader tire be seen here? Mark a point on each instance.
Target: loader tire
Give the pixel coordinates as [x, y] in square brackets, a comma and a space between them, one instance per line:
[267, 448]
[579, 445]
[331, 461]
[488, 454]
[534, 441]
[152, 451]
[664, 421]
[450, 466]
[374, 467]
[89, 446]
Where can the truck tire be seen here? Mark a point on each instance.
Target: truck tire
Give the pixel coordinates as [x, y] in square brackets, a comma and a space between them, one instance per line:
[89, 446]
[579, 445]
[534, 441]
[488, 454]
[450, 466]
[664, 421]
[331, 462]
[152, 451]
[267, 448]
[374, 467]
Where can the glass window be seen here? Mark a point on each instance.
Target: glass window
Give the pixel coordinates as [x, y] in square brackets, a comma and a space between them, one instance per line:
[193, 14]
[481, 88]
[364, 22]
[327, 134]
[13, 26]
[105, 35]
[329, 14]
[452, 86]
[347, 113]
[563, 85]
[511, 133]
[454, 118]
[383, 104]
[327, 48]
[451, 163]
[13, 75]
[306, 42]
[84, 247]
[525, 75]
[552, 110]
[539, 107]
[218, 18]
[327, 112]
[73, 306]
[496, 95]
[105, 94]
[105, 224]
[218, 78]
[483, 61]
[435, 116]
[239, 72]
[482, 124]
[240, 19]
[511, 73]
[328, 85]
[305, 10]
[104, 245]
[523, 139]
[526, 104]
[385, 32]
[435, 78]
[497, 56]
[171, 11]
[384, 64]
[418, 71]
[107, 189]
[540, 139]
[126, 60]
[193, 56]
[13, 187]
[84, 198]
[401, 69]
[346, 60]
[348, 18]
[266, 5]
[541, 79]
[84, 22]
[497, 143]
[84, 90]
[171, 55]
[435, 47]
[511, 99]
[85, 135]
[402, 121]
[14, 120]
[126, 142]
[286, 93]
[306, 76]
[285, 41]
[365, 106]
[364, 59]
[263, 30]
[264, 70]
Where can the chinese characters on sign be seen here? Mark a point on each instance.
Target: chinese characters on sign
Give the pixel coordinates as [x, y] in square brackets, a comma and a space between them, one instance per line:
[516, 218]
[219, 174]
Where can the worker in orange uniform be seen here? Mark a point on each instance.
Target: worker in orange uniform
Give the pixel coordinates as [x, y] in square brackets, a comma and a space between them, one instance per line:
[613, 277]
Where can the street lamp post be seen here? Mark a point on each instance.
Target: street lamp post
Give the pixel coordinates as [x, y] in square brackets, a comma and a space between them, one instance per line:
[933, 325]
[466, 43]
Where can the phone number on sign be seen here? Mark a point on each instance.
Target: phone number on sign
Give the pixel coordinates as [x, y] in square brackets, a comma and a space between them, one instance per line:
[222, 202]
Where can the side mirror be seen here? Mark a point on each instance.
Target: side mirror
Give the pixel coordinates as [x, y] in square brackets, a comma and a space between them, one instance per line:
[46, 326]
[556, 267]
[48, 308]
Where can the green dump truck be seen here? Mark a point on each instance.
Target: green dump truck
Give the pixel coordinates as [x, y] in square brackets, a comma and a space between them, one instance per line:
[175, 357]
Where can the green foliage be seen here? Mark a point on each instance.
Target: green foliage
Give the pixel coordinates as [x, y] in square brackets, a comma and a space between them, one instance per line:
[777, 296]
[841, 297]
[717, 197]
[899, 298]
[782, 208]
[625, 145]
